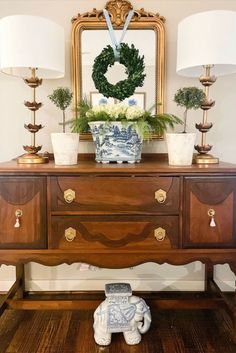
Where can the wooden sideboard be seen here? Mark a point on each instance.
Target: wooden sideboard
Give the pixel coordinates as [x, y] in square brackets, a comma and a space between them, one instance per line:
[116, 216]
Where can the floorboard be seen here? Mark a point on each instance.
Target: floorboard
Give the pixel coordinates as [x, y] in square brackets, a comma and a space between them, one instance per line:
[180, 331]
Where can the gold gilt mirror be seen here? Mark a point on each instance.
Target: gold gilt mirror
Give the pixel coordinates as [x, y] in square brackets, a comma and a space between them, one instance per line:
[90, 35]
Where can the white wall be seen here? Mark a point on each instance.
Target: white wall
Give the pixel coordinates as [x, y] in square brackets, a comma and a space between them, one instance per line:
[13, 115]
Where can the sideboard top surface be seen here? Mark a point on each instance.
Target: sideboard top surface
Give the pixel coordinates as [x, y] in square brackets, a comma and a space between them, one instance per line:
[153, 163]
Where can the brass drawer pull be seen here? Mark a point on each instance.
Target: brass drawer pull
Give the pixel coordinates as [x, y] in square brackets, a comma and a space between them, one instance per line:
[160, 234]
[70, 234]
[160, 196]
[18, 215]
[211, 213]
[69, 195]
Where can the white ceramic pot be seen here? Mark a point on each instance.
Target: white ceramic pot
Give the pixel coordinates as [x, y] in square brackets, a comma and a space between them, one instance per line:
[180, 148]
[65, 148]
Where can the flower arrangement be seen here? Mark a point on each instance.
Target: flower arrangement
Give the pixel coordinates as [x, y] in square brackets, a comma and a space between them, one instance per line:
[144, 122]
[115, 112]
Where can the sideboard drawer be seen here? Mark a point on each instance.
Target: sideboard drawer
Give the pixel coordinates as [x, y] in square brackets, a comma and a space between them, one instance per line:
[26, 197]
[109, 232]
[127, 194]
[210, 209]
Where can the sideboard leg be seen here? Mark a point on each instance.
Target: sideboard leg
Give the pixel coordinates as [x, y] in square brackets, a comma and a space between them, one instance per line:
[234, 315]
[209, 275]
[10, 294]
[20, 276]
[2, 303]
[233, 268]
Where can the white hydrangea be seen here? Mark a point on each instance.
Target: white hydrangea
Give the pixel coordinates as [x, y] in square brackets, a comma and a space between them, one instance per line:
[95, 110]
[134, 112]
[115, 110]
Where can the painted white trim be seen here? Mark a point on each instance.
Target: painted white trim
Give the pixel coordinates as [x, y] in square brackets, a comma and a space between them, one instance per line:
[225, 286]
[5, 285]
[99, 284]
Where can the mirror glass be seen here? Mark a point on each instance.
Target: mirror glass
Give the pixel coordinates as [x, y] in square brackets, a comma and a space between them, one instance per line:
[92, 43]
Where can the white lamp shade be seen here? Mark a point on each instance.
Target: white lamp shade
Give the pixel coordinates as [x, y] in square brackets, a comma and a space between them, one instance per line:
[207, 38]
[32, 42]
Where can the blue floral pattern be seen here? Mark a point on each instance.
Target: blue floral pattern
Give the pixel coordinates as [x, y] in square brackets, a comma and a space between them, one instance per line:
[116, 142]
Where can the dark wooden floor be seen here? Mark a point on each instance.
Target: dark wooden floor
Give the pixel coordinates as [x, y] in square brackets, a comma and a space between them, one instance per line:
[189, 331]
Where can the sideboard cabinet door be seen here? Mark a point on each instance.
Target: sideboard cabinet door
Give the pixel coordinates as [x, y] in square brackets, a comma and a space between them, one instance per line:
[22, 212]
[210, 212]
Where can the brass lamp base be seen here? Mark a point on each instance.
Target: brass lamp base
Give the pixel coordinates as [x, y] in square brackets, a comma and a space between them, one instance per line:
[32, 159]
[205, 159]
[203, 148]
[32, 156]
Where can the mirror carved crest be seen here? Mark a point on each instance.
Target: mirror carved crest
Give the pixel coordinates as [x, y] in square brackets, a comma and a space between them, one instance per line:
[141, 20]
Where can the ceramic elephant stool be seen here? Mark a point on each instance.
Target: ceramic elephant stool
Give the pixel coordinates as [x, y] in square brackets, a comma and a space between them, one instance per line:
[121, 312]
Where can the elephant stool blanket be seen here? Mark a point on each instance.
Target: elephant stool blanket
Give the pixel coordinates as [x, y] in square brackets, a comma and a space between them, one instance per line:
[121, 312]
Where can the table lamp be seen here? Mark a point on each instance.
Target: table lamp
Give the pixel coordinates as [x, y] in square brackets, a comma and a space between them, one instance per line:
[207, 41]
[32, 46]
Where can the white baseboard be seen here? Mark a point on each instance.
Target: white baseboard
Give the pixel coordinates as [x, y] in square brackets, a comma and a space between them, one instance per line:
[99, 284]
[225, 286]
[5, 285]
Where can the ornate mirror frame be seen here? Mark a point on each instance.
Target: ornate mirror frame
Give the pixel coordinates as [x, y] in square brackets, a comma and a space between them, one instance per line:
[118, 10]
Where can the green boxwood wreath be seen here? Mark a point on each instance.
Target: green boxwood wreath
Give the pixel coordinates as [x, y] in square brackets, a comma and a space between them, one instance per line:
[134, 64]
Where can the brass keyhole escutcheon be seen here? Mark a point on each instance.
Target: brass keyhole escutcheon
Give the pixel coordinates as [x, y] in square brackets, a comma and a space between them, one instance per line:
[211, 212]
[160, 234]
[69, 195]
[18, 213]
[70, 234]
[160, 196]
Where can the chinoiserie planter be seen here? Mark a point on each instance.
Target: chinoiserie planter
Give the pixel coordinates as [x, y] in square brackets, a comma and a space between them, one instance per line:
[65, 148]
[180, 148]
[116, 142]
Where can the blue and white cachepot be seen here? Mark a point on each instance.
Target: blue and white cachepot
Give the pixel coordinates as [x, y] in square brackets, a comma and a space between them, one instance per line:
[116, 142]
